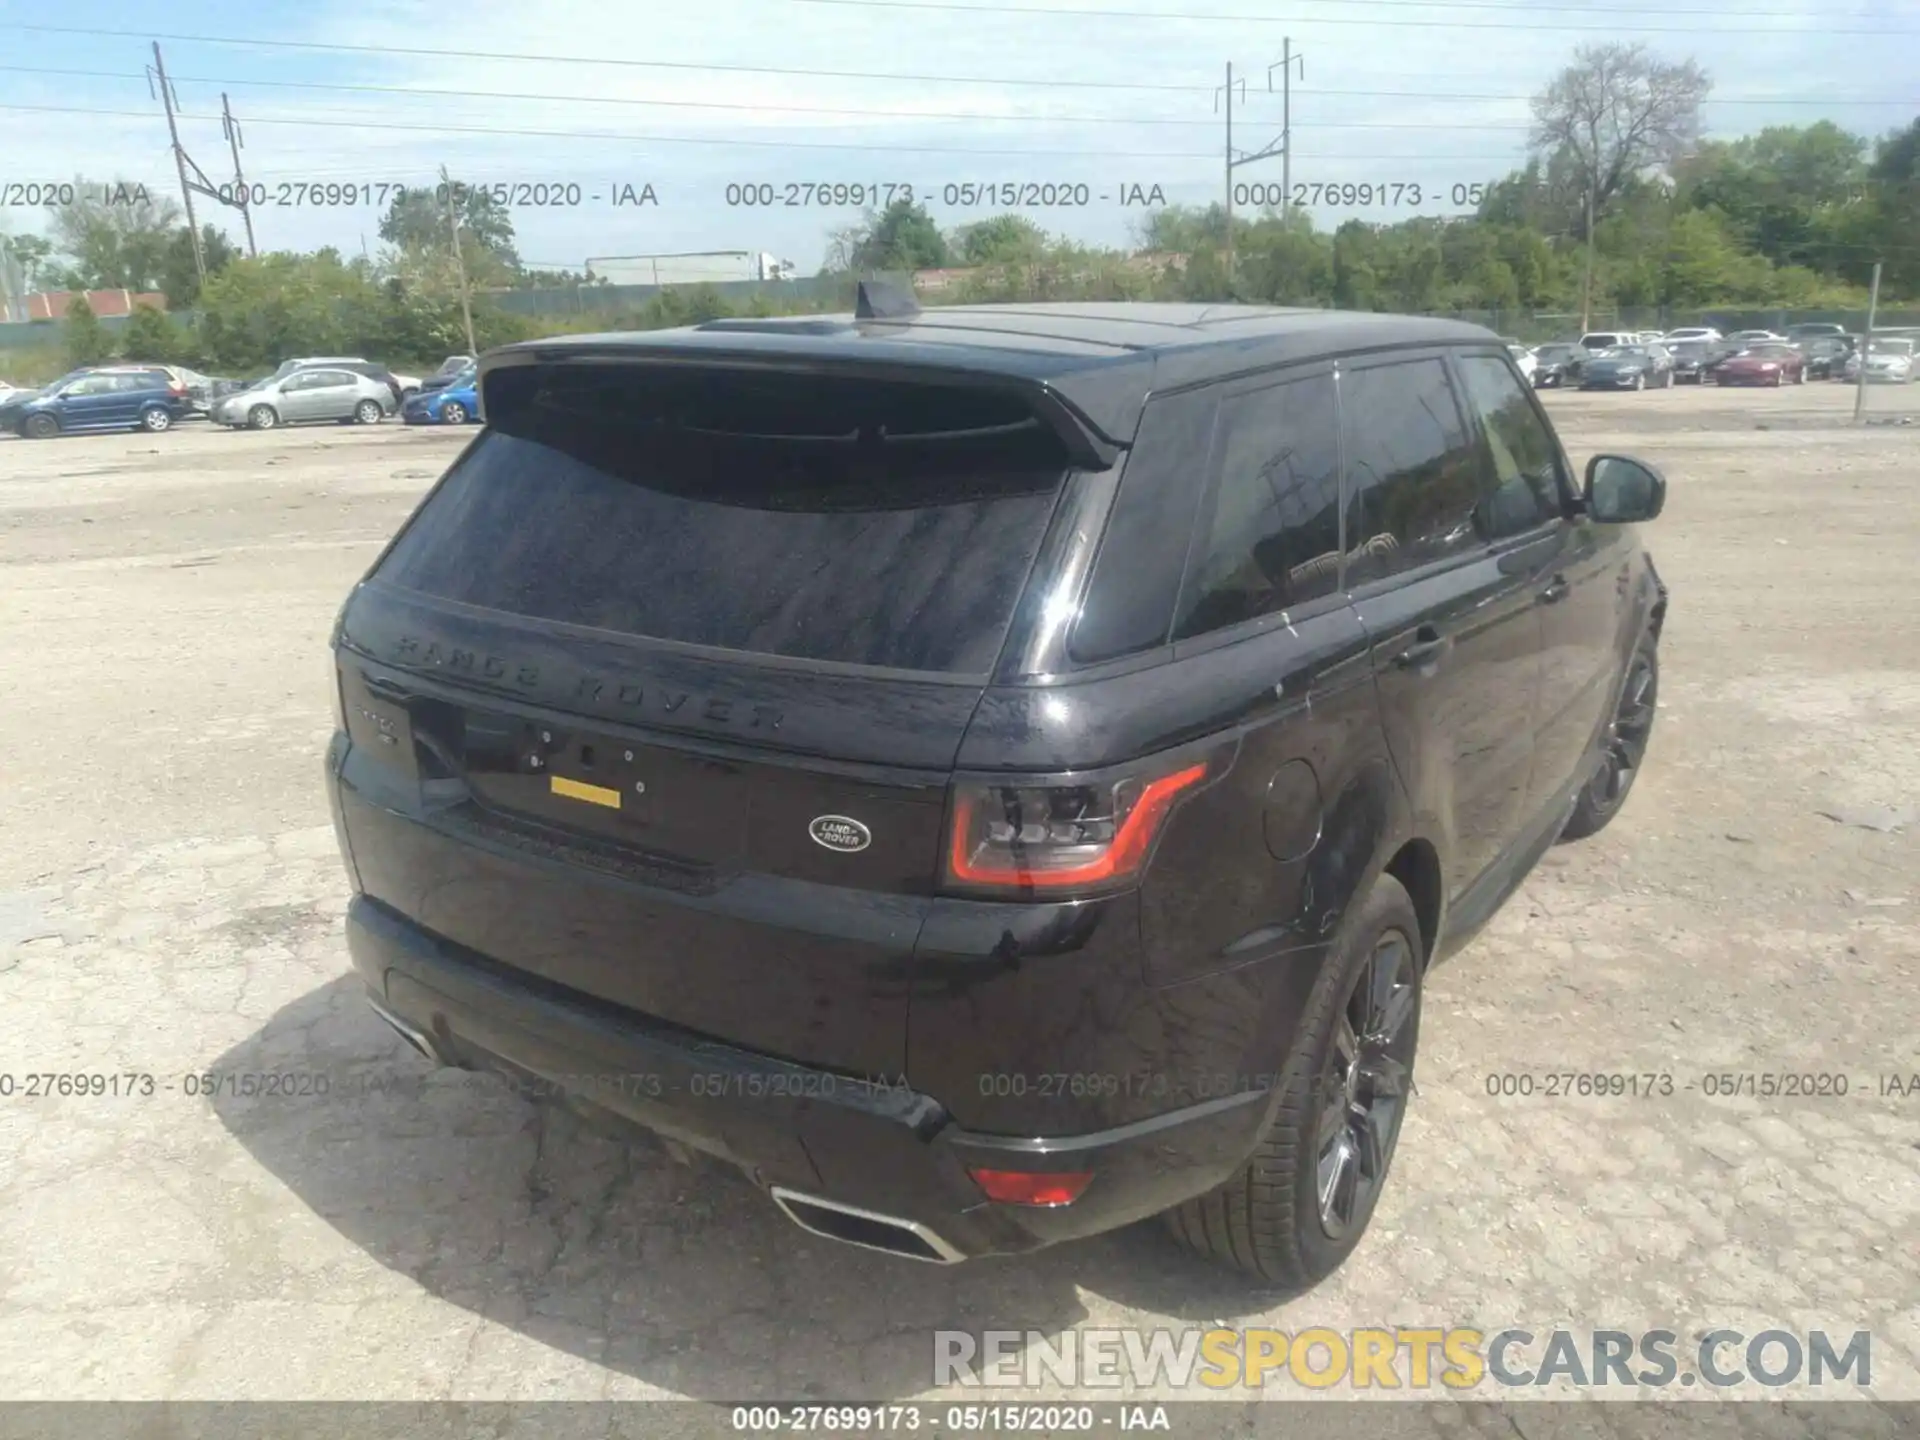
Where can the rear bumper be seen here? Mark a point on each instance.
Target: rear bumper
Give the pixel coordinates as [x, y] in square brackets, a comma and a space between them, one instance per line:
[801, 1132]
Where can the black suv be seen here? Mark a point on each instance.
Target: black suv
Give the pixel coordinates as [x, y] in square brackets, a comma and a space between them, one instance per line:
[992, 774]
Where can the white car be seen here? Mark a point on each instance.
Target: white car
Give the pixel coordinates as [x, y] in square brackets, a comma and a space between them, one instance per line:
[1692, 332]
[1608, 339]
[1890, 360]
[1523, 359]
[1759, 337]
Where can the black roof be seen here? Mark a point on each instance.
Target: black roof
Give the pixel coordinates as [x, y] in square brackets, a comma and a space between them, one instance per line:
[1104, 359]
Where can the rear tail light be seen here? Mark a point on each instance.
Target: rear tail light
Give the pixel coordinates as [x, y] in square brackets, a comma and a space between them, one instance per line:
[1050, 839]
[1019, 1187]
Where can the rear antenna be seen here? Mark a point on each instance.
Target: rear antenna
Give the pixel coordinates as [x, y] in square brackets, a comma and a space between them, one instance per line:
[883, 300]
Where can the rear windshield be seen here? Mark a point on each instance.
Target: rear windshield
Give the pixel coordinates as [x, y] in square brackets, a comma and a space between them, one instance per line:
[814, 517]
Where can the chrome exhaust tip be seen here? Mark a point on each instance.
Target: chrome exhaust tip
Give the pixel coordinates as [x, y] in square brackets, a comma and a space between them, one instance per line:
[418, 1039]
[867, 1229]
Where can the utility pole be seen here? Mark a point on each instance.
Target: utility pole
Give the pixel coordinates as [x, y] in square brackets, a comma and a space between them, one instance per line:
[180, 163]
[1586, 283]
[459, 261]
[240, 195]
[1286, 123]
[1866, 348]
[1228, 212]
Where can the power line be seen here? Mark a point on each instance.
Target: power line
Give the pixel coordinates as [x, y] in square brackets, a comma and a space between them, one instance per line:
[452, 93]
[1248, 19]
[445, 53]
[971, 116]
[383, 123]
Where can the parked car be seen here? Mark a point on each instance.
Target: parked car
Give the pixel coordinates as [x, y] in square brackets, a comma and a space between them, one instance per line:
[1629, 367]
[1522, 359]
[1770, 364]
[1757, 337]
[306, 395]
[121, 398]
[1886, 360]
[1690, 360]
[1825, 355]
[1597, 340]
[1692, 332]
[1814, 330]
[1219, 822]
[372, 369]
[1557, 365]
[450, 370]
[11, 394]
[455, 403]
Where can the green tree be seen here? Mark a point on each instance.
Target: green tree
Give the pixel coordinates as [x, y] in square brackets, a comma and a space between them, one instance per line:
[149, 335]
[901, 237]
[1000, 240]
[86, 338]
[416, 221]
[179, 276]
[113, 237]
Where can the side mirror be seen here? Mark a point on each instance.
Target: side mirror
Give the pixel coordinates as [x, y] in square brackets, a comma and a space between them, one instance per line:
[1623, 491]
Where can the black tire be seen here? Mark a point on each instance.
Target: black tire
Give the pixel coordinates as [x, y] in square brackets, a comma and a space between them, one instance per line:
[369, 412]
[453, 413]
[1625, 747]
[262, 417]
[1267, 1218]
[40, 427]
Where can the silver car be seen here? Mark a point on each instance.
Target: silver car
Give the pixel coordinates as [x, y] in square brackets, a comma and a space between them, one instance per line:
[305, 395]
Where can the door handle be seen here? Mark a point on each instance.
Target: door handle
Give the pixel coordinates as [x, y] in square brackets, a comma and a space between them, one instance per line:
[1428, 645]
[1556, 590]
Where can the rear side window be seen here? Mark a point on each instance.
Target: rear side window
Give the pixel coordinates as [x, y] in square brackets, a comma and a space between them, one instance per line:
[814, 517]
[1273, 537]
[1414, 477]
[1136, 577]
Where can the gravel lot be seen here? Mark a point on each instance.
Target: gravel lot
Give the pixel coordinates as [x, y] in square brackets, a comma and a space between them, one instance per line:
[170, 904]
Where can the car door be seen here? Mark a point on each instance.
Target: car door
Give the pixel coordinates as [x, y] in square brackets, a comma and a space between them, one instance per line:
[1450, 610]
[1584, 600]
[331, 394]
[88, 403]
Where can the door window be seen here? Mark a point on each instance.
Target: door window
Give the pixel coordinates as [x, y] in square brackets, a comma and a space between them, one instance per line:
[1414, 476]
[1520, 453]
[1273, 535]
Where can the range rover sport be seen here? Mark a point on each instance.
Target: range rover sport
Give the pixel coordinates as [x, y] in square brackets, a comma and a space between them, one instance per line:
[993, 774]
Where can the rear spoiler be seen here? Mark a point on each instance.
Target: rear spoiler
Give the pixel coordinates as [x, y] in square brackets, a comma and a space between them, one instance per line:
[1088, 448]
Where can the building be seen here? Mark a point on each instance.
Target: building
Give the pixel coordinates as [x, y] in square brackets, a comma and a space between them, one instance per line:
[107, 304]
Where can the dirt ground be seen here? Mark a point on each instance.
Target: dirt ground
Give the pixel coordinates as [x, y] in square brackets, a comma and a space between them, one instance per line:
[170, 904]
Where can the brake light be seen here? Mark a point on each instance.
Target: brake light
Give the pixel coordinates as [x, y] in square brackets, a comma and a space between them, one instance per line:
[1019, 1187]
[1056, 838]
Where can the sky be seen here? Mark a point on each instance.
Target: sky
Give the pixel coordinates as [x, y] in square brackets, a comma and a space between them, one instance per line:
[1089, 97]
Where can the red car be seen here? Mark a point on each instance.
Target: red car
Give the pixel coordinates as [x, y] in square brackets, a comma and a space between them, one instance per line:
[1763, 365]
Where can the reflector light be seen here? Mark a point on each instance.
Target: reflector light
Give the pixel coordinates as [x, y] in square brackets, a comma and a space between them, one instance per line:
[1024, 1187]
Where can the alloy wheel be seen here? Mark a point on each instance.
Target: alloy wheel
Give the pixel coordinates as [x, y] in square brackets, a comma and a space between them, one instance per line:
[1364, 1087]
[1626, 744]
[454, 413]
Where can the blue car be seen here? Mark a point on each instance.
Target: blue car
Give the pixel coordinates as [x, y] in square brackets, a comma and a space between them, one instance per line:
[456, 403]
[127, 398]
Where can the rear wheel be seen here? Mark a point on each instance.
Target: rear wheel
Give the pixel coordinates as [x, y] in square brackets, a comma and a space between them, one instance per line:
[155, 420]
[1293, 1213]
[41, 427]
[262, 417]
[368, 412]
[1626, 746]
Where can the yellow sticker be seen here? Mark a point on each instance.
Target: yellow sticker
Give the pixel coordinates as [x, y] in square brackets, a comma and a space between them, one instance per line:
[580, 790]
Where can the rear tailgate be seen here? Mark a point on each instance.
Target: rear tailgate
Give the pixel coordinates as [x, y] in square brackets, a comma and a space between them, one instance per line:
[657, 696]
